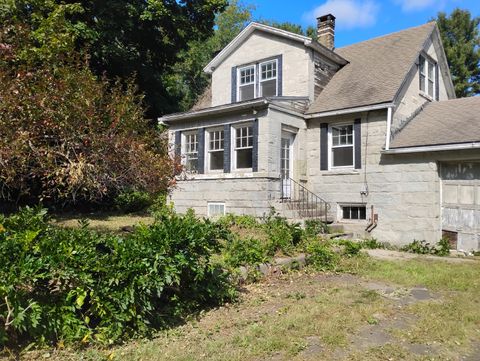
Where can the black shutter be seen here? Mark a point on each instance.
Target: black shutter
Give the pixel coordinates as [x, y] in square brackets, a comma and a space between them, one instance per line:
[234, 84]
[437, 85]
[323, 146]
[178, 143]
[201, 150]
[280, 75]
[226, 148]
[255, 146]
[357, 133]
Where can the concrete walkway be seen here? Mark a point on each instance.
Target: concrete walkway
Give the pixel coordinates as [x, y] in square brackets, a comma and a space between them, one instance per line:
[389, 255]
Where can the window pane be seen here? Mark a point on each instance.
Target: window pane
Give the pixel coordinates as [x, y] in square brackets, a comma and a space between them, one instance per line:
[247, 92]
[363, 213]
[269, 88]
[247, 75]
[430, 88]
[342, 156]
[430, 71]
[216, 160]
[346, 212]
[422, 82]
[192, 164]
[421, 64]
[342, 135]
[268, 70]
[354, 212]
[244, 158]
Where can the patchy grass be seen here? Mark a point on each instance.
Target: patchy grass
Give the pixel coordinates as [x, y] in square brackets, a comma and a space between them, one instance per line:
[311, 316]
[113, 222]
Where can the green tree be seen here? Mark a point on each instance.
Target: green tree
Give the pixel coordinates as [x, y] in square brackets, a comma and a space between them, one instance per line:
[461, 39]
[125, 38]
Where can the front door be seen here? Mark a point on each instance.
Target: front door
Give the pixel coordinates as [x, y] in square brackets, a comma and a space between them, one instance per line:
[286, 163]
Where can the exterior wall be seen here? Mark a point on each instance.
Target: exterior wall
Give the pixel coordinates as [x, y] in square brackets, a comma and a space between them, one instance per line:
[403, 190]
[260, 45]
[252, 196]
[412, 99]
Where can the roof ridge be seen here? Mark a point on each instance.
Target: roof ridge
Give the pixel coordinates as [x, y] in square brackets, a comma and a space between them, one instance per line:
[387, 35]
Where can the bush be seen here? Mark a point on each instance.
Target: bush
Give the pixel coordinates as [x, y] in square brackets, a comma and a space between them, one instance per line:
[314, 227]
[75, 285]
[350, 248]
[241, 252]
[133, 201]
[321, 256]
[372, 243]
[442, 248]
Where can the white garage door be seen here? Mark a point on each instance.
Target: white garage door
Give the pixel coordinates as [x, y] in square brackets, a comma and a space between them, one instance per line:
[461, 203]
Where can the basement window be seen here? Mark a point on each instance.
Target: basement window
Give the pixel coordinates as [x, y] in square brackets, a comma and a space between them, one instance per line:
[216, 209]
[354, 212]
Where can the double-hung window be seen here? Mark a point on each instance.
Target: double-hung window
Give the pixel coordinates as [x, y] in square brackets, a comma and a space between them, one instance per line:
[246, 84]
[268, 78]
[190, 151]
[342, 146]
[427, 76]
[215, 149]
[243, 147]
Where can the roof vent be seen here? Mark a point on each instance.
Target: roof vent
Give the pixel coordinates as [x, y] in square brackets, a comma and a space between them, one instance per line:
[326, 30]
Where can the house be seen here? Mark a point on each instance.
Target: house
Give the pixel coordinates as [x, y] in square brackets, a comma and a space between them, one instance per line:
[369, 136]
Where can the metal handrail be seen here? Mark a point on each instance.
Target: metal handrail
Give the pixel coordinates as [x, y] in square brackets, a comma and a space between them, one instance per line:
[309, 204]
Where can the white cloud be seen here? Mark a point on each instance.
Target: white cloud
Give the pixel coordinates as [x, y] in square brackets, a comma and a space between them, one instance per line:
[349, 13]
[415, 5]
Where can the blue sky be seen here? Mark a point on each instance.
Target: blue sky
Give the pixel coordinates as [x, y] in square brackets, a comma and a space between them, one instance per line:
[359, 20]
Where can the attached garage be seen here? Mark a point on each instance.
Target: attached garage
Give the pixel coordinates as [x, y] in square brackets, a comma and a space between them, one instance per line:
[461, 203]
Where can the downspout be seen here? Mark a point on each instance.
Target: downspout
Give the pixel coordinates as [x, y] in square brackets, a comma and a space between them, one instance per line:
[389, 128]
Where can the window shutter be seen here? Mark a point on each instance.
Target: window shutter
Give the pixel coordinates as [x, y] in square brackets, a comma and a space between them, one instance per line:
[437, 85]
[234, 84]
[255, 146]
[280, 75]
[201, 150]
[226, 148]
[178, 143]
[357, 133]
[323, 146]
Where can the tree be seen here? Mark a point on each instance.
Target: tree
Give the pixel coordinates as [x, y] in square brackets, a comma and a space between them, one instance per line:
[68, 137]
[461, 40]
[125, 38]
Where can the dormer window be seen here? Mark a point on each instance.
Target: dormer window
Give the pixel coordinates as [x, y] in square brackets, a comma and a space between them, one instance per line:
[246, 88]
[260, 79]
[427, 69]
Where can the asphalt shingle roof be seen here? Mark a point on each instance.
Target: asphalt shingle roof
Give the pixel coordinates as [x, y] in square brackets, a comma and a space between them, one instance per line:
[376, 70]
[446, 122]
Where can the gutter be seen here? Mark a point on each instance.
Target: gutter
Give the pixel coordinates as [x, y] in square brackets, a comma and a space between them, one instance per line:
[366, 108]
[433, 148]
[222, 109]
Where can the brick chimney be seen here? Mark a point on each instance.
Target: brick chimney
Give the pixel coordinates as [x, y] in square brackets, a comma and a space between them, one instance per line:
[326, 30]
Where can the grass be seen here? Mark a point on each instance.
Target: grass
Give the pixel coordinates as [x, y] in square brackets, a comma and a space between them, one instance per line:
[105, 221]
[279, 317]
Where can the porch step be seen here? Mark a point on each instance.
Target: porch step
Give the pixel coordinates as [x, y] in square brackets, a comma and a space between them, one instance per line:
[351, 229]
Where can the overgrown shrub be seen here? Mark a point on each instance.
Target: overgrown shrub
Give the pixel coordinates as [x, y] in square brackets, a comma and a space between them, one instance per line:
[442, 248]
[133, 201]
[350, 248]
[240, 252]
[372, 243]
[75, 285]
[321, 256]
[314, 227]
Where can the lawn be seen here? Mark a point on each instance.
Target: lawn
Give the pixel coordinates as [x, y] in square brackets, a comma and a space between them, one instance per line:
[388, 310]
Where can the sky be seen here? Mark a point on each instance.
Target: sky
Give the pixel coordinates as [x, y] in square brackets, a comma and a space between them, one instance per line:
[359, 20]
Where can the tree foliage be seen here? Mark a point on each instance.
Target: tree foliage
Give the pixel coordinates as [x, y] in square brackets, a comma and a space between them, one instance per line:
[461, 39]
[66, 136]
[125, 38]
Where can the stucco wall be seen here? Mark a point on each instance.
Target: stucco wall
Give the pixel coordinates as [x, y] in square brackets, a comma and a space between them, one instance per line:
[258, 46]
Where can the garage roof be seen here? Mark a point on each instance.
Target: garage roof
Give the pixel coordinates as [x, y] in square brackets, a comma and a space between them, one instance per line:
[453, 121]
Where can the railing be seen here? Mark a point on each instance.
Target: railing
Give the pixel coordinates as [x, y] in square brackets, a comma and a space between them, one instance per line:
[305, 202]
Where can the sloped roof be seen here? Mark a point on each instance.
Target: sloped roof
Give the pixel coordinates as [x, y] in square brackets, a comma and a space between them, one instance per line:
[446, 122]
[376, 70]
[204, 100]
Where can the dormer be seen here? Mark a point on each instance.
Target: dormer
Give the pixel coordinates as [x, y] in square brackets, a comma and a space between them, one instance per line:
[263, 61]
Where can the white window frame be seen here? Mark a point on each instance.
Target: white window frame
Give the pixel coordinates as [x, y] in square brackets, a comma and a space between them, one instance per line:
[239, 72]
[275, 61]
[233, 142]
[357, 205]
[207, 147]
[185, 154]
[216, 204]
[427, 62]
[331, 146]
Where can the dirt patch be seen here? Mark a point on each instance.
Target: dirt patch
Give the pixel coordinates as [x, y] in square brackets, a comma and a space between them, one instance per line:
[389, 255]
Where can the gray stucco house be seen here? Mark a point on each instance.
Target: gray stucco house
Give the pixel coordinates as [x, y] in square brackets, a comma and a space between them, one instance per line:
[369, 136]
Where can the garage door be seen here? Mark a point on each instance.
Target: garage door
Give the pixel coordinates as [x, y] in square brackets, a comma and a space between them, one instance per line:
[461, 203]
